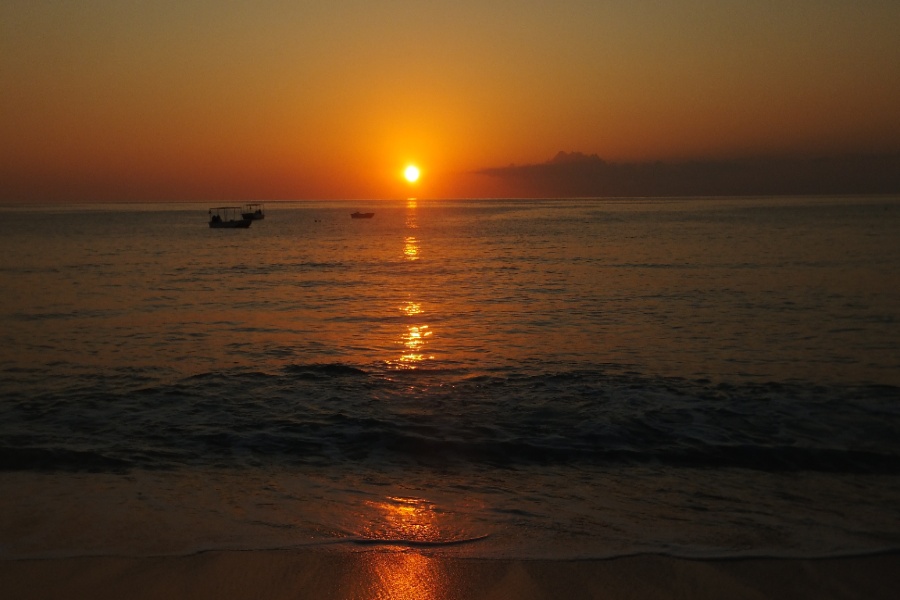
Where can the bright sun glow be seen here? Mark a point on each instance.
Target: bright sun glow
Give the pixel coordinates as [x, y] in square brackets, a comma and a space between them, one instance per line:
[411, 173]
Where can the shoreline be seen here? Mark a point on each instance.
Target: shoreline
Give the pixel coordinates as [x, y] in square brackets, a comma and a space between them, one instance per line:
[409, 574]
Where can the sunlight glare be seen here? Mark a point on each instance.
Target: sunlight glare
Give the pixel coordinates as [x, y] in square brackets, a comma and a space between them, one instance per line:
[411, 173]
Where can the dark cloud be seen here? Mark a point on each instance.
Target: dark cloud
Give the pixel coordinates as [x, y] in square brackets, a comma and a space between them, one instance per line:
[575, 174]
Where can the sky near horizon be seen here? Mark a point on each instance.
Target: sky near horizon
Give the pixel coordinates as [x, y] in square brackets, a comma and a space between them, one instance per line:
[270, 99]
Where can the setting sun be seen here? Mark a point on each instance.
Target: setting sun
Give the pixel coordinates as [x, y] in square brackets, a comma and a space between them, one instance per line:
[411, 173]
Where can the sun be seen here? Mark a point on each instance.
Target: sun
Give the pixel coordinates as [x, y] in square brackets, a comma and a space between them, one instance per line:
[411, 173]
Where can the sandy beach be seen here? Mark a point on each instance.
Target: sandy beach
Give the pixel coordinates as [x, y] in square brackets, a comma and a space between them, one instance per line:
[411, 575]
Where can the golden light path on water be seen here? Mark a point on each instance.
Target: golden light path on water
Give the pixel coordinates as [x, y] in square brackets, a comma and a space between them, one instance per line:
[415, 336]
[405, 574]
[411, 249]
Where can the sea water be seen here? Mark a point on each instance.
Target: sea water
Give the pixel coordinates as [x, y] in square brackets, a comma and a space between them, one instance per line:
[488, 378]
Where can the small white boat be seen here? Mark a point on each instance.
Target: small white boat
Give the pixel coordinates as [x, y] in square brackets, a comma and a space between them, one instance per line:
[228, 217]
[253, 211]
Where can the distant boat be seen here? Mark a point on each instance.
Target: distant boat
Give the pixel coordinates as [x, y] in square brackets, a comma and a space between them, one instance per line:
[359, 215]
[228, 217]
[253, 212]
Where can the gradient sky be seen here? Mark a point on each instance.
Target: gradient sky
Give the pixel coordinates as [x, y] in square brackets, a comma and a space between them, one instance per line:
[271, 99]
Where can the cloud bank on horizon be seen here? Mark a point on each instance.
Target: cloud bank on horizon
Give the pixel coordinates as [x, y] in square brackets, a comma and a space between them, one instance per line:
[576, 174]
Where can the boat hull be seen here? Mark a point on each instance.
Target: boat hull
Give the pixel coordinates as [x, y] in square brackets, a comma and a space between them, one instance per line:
[237, 224]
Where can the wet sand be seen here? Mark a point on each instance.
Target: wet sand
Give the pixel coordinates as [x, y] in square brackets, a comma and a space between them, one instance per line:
[411, 575]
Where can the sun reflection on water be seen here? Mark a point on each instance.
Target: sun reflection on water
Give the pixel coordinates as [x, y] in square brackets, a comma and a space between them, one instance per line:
[411, 249]
[409, 519]
[416, 333]
[414, 338]
[411, 244]
[411, 309]
[414, 342]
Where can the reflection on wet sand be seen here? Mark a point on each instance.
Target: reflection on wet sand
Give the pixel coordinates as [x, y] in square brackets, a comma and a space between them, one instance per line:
[396, 570]
[406, 576]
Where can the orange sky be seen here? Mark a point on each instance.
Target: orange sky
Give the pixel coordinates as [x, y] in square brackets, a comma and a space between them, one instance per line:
[203, 100]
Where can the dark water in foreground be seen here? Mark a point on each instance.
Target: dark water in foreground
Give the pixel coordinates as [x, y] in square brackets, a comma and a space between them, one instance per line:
[713, 377]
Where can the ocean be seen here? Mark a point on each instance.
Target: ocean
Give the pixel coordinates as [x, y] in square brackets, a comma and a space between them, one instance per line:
[564, 379]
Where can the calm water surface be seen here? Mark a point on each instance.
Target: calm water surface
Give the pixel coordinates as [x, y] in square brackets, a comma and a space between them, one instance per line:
[581, 378]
